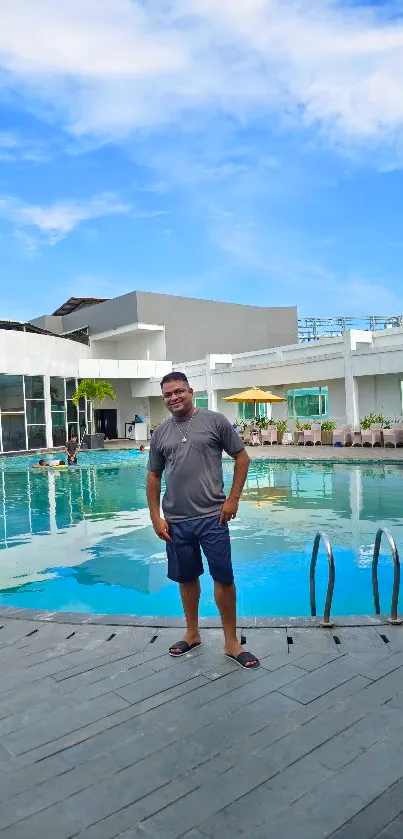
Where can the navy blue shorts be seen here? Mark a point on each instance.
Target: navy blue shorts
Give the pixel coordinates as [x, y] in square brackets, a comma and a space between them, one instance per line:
[189, 538]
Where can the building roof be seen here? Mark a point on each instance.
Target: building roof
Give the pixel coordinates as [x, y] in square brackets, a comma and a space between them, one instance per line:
[80, 335]
[74, 303]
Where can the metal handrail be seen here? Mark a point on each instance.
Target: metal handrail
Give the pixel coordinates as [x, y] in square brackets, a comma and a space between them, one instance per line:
[332, 576]
[396, 574]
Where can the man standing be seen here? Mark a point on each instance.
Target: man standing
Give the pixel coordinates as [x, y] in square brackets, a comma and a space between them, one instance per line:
[71, 450]
[188, 446]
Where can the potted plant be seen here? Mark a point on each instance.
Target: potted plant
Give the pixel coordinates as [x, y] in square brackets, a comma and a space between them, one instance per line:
[153, 427]
[297, 428]
[372, 419]
[281, 426]
[93, 389]
[327, 429]
[262, 423]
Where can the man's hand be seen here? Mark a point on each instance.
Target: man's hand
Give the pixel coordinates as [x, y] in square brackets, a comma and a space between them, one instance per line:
[161, 528]
[229, 510]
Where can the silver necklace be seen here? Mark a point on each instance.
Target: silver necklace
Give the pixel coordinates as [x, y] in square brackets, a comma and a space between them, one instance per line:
[184, 433]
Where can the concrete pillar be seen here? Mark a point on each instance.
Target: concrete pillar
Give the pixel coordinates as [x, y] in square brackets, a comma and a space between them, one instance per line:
[48, 412]
[352, 407]
[211, 393]
[350, 384]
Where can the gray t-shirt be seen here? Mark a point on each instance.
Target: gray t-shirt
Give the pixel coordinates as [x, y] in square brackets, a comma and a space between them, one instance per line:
[193, 470]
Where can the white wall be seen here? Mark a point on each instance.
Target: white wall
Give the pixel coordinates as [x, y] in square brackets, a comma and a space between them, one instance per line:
[25, 352]
[126, 405]
[380, 394]
[138, 345]
[158, 411]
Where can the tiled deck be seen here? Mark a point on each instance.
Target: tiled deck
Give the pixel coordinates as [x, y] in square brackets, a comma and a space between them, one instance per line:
[104, 735]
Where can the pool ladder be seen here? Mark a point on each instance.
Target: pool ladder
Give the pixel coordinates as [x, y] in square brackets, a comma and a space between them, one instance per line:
[322, 537]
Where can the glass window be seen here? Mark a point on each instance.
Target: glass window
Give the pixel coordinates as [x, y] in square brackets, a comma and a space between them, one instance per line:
[72, 429]
[247, 411]
[71, 412]
[58, 428]
[71, 387]
[13, 430]
[37, 436]
[35, 412]
[308, 403]
[201, 400]
[34, 388]
[11, 393]
[81, 420]
[57, 393]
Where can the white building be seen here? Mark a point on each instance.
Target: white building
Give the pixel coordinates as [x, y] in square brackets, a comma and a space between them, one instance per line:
[132, 345]
[342, 378]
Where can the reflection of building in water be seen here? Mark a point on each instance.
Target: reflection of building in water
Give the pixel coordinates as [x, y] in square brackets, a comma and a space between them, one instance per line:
[121, 560]
[51, 520]
[311, 484]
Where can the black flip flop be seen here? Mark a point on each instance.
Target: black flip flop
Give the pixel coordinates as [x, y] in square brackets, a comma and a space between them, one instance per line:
[243, 658]
[184, 648]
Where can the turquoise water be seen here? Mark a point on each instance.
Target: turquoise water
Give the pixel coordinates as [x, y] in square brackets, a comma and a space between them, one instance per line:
[80, 539]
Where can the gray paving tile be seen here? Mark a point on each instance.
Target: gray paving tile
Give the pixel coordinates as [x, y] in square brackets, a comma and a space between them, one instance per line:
[311, 685]
[394, 830]
[57, 725]
[242, 816]
[320, 813]
[371, 820]
[362, 639]
[197, 746]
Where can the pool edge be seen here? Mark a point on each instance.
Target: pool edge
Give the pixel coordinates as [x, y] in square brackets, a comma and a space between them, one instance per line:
[164, 622]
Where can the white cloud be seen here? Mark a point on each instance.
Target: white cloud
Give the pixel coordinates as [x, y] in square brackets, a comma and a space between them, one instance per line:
[13, 147]
[108, 68]
[36, 224]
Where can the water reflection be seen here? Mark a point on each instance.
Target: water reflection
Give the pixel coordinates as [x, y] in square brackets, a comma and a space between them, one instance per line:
[82, 538]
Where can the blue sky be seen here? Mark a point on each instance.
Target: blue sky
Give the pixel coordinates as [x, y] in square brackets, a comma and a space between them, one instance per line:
[248, 151]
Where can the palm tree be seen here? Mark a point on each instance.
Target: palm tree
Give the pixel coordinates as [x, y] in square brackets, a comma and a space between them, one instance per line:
[91, 389]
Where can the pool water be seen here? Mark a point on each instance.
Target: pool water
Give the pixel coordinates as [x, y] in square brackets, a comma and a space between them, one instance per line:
[80, 539]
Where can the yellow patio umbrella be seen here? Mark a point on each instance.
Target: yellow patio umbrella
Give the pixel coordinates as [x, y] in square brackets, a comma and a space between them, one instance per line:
[255, 395]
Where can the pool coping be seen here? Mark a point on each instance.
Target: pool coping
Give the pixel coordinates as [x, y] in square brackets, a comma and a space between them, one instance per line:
[281, 622]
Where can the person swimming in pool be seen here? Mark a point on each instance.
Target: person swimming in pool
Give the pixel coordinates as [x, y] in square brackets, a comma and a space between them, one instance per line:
[40, 465]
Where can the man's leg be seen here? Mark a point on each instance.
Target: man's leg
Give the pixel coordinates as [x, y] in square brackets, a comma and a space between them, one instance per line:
[190, 595]
[225, 597]
[184, 561]
[215, 541]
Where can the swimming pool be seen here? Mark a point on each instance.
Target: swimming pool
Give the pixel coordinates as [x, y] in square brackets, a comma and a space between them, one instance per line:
[80, 539]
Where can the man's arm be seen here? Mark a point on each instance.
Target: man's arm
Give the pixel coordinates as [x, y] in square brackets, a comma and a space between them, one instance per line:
[230, 506]
[159, 524]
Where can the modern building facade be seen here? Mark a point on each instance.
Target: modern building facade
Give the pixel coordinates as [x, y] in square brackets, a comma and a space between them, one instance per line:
[132, 341]
[129, 340]
[342, 378]
[183, 327]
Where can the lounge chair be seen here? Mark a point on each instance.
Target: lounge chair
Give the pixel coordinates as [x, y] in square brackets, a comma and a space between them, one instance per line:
[254, 437]
[268, 436]
[245, 436]
[357, 437]
[313, 435]
[372, 436]
[399, 434]
[389, 437]
[299, 437]
[342, 435]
